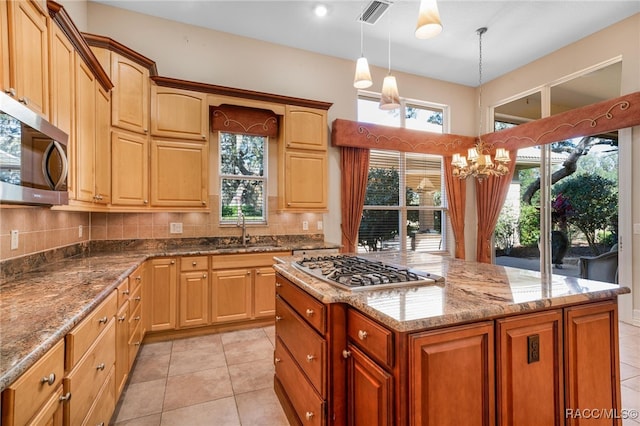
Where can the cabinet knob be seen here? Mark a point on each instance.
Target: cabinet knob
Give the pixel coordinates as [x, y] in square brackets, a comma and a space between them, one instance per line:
[277, 360]
[100, 366]
[173, 262]
[137, 299]
[278, 284]
[204, 275]
[65, 397]
[310, 312]
[145, 202]
[122, 318]
[137, 318]
[137, 343]
[203, 136]
[24, 100]
[145, 130]
[11, 91]
[278, 318]
[204, 203]
[309, 415]
[103, 320]
[125, 292]
[138, 278]
[310, 358]
[50, 380]
[346, 354]
[362, 334]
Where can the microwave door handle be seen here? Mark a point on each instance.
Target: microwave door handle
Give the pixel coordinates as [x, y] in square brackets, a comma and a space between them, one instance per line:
[45, 169]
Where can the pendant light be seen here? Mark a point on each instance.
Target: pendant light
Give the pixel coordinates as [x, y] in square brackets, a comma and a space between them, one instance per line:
[480, 164]
[362, 79]
[390, 98]
[429, 24]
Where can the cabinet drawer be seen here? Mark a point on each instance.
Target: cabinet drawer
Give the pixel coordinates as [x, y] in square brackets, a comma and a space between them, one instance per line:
[308, 405]
[135, 301]
[88, 377]
[252, 260]
[105, 403]
[123, 293]
[135, 340]
[305, 345]
[312, 310]
[25, 396]
[375, 340]
[135, 317]
[194, 263]
[136, 278]
[84, 334]
[51, 412]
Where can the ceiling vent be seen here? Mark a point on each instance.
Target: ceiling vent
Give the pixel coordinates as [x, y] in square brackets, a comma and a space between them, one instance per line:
[374, 11]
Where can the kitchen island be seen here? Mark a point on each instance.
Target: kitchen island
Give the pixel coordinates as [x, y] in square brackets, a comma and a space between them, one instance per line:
[489, 345]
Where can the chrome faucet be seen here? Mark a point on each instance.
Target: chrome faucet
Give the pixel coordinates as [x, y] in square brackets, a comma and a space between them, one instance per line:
[242, 223]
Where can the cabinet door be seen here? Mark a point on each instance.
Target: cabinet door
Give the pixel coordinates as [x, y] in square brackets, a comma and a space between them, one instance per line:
[122, 348]
[177, 113]
[129, 170]
[305, 180]
[179, 173]
[230, 295]
[194, 299]
[264, 293]
[29, 55]
[592, 372]
[305, 128]
[103, 146]
[163, 289]
[85, 131]
[130, 96]
[441, 365]
[529, 370]
[370, 391]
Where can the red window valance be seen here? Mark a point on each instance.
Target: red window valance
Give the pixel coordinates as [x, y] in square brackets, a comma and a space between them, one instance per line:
[245, 120]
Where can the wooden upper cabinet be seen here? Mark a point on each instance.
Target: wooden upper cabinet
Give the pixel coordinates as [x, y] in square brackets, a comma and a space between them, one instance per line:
[177, 113]
[130, 95]
[85, 132]
[103, 56]
[28, 57]
[103, 146]
[305, 180]
[179, 173]
[129, 168]
[305, 128]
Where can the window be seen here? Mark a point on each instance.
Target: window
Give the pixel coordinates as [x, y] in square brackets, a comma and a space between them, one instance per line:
[404, 206]
[243, 179]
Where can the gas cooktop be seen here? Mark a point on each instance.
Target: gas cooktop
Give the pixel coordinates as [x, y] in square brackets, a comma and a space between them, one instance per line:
[357, 273]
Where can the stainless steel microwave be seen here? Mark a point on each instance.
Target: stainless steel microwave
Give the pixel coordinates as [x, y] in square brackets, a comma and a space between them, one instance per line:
[33, 157]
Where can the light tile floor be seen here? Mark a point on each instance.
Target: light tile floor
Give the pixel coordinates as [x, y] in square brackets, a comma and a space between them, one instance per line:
[227, 380]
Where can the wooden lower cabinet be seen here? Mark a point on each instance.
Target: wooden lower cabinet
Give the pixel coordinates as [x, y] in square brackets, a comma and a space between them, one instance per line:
[230, 295]
[162, 294]
[264, 292]
[370, 391]
[592, 367]
[122, 348]
[194, 299]
[451, 376]
[529, 385]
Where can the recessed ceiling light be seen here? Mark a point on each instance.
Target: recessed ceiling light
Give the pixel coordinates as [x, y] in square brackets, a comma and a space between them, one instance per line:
[320, 10]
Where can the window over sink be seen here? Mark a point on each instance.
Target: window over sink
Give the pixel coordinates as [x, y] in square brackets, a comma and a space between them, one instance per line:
[243, 177]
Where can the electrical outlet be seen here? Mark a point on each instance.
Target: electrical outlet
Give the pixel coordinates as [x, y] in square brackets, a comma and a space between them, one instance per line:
[14, 239]
[80, 231]
[175, 228]
[305, 225]
[636, 228]
[319, 225]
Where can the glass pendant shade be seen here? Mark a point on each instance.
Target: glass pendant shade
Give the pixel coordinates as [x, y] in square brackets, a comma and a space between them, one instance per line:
[390, 98]
[429, 24]
[362, 78]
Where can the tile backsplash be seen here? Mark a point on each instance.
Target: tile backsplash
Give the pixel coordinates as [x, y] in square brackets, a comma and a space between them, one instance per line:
[42, 229]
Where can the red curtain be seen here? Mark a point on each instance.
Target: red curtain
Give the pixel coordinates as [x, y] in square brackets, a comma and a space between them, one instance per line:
[456, 199]
[248, 121]
[490, 196]
[355, 170]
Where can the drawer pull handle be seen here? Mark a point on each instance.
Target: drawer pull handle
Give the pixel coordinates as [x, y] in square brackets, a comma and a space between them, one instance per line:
[122, 318]
[100, 366]
[310, 358]
[310, 312]
[137, 343]
[50, 380]
[137, 299]
[362, 334]
[278, 318]
[309, 415]
[277, 360]
[137, 318]
[138, 278]
[125, 292]
[278, 285]
[65, 397]
[194, 263]
[103, 320]
[346, 354]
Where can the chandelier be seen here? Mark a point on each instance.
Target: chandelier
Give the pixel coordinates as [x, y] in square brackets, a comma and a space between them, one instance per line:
[478, 162]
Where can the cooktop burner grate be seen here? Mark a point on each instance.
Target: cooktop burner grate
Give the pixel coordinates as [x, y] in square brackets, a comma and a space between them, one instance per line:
[357, 273]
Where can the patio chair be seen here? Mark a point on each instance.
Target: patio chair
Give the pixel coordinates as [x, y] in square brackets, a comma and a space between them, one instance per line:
[601, 268]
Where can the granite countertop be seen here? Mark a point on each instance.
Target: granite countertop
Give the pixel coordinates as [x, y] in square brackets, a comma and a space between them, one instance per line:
[471, 292]
[38, 307]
